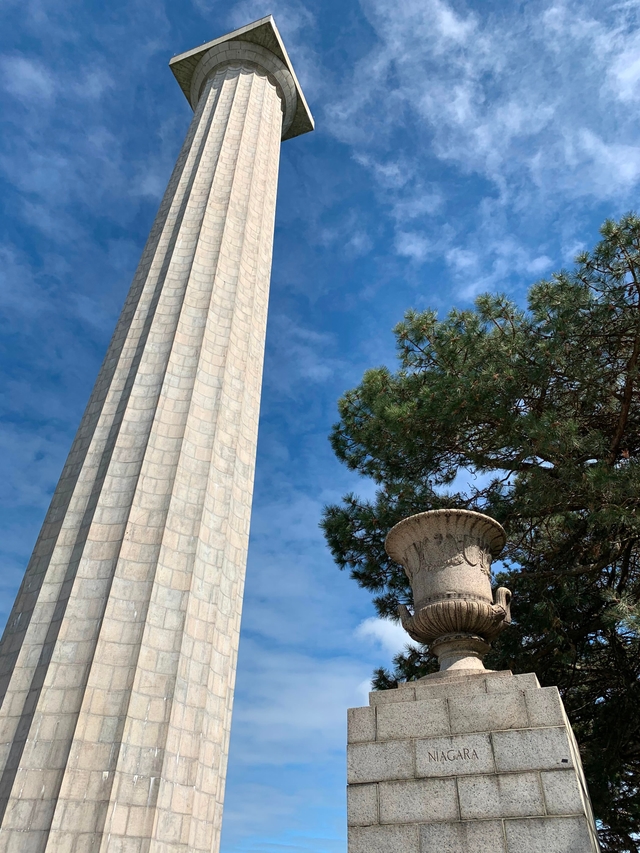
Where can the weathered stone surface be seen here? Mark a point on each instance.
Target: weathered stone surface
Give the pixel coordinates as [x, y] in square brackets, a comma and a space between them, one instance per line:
[430, 690]
[384, 839]
[544, 707]
[418, 801]
[413, 720]
[454, 756]
[485, 836]
[562, 793]
[532, 749]
[507, 795]
[117, 665]
[376, 762]
[385, 697]
[549, 835]
[458, 676]
[526, 681]
[362, 805]
[361, 725]
[489, 712]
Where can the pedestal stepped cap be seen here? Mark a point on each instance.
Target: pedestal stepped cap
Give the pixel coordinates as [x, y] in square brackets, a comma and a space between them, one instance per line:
[264, 34]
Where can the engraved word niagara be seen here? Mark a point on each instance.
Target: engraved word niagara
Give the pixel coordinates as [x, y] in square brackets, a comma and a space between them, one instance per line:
[442, 755]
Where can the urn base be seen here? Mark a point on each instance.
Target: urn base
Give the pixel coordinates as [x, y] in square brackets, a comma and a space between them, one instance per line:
[460, 652]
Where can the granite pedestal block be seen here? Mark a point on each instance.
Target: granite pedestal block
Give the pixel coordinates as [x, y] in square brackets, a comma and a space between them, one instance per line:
[482, 764]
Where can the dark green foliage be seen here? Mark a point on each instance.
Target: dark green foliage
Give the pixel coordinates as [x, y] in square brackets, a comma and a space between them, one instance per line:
[543, 404]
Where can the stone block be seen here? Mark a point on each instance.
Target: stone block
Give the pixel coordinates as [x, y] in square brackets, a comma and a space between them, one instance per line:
[474, 836]
[361, 725]
[549, 835]
[489, 712]
[377, 762]
[562, 793]
[454, 756]
[532, 749]
[430, 690]
[413, 719]
[362, 805]
[385, 697]
[465, 676]
[526, 681]
[544, 707]
[384, 839]
[418, 801]
[509, 795]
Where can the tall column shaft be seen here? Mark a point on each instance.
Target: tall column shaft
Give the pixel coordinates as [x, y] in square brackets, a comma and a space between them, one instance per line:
[117, 665]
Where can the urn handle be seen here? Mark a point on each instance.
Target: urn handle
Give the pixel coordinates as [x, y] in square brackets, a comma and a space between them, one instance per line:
[408, 623]
[503, 605]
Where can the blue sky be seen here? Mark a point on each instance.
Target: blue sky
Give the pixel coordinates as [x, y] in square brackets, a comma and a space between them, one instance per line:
[459, 147]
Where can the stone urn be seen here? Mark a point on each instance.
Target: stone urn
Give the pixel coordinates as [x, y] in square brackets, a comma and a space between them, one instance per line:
[447, 557]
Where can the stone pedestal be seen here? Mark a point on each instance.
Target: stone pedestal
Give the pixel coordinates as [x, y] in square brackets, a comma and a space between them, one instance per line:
[117, 665]
[482, 764]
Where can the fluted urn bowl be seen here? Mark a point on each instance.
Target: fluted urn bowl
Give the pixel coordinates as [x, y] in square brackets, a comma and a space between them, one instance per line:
[447, 556]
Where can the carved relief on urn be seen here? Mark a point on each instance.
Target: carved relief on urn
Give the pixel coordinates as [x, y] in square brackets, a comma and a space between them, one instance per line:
[447, 556]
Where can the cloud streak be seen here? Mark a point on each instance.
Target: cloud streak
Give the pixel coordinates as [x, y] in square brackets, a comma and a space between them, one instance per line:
[532, 100]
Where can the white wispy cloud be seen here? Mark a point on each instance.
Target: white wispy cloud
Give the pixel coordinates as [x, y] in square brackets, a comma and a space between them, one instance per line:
[532, 100]
[414, 245]
[391, 636]
[299, 354]
[294, 707]
[26, 78]
[269, 816]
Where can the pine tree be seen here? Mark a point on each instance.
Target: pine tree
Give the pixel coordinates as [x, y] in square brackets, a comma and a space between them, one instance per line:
[541, 406]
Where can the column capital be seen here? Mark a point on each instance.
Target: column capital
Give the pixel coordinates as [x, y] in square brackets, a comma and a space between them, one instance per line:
[262, 39]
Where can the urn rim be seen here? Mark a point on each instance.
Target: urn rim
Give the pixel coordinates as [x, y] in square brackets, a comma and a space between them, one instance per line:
[490, 529]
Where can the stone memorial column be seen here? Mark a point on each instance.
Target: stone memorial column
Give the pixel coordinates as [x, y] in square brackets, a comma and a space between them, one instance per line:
[117, 665]
[465, 760]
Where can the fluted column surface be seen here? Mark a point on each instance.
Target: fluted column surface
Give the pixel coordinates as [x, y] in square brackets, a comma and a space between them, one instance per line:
[118, 662]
